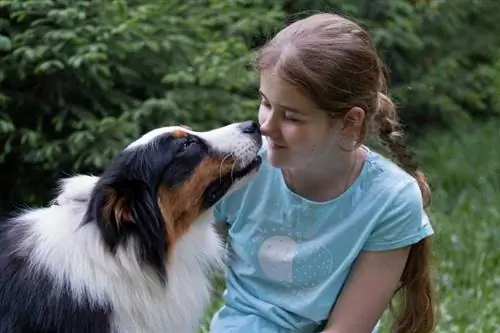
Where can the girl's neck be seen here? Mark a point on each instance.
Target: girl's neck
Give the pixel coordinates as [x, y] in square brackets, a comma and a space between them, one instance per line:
[326, 180]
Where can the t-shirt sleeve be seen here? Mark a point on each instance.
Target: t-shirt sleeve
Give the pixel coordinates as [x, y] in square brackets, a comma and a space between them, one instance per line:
[404, 223]
[218, 212]
[227, 209]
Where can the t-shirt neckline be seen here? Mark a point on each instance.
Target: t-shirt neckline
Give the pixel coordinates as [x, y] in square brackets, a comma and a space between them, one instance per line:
[352, 187]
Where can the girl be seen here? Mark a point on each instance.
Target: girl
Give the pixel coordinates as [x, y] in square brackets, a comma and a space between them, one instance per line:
[329, 230]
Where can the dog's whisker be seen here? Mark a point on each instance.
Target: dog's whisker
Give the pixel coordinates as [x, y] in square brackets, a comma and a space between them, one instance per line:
[222, 164]
[232, 170]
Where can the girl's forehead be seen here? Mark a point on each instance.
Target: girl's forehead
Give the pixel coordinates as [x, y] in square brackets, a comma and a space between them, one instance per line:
[279, 91]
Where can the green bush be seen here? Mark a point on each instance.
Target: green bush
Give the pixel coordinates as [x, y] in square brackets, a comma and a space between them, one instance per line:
[79, 79]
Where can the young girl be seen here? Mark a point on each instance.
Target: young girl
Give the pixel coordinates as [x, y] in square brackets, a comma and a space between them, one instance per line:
[328, 230]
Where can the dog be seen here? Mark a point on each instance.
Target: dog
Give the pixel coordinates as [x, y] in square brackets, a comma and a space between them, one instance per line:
[130, 251]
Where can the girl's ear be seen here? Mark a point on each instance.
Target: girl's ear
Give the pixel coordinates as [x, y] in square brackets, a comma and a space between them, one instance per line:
[352, 122]
[351, 129]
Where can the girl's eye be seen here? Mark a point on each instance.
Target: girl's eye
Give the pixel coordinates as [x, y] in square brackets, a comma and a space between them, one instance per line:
[265, 103]
[291, 118]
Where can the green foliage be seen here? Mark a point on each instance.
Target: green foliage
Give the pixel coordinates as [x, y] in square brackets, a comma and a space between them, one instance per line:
[80, 79]
[217, 85]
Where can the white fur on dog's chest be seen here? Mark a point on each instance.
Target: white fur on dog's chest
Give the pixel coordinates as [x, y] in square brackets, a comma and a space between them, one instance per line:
[181, 306]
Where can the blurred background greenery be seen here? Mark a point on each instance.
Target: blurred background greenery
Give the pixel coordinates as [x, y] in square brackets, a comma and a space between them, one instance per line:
[80, 79]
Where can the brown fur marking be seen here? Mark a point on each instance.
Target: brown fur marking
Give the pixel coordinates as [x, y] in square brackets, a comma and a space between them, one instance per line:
[180, 207]
[179, 134]
[116, 206]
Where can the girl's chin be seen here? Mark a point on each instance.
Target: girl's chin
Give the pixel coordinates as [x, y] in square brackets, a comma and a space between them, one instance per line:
[277, 158]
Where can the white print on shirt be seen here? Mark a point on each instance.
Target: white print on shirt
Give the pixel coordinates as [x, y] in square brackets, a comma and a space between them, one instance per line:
[287, 249]
[303, 265]
[276, 256]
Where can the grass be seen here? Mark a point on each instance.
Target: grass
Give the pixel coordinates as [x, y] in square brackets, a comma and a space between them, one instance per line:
[463, 167]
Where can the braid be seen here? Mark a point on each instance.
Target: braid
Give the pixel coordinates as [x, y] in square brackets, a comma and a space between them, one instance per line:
[392, 137]
[417, 311]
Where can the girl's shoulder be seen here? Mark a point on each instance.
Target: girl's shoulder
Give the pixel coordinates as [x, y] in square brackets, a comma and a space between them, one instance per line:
[380, 173]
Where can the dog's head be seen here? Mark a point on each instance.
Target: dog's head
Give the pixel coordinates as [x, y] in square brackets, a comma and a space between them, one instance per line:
[168, 180]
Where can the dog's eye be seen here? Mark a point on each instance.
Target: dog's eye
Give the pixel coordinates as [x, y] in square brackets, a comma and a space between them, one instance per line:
[185, 145]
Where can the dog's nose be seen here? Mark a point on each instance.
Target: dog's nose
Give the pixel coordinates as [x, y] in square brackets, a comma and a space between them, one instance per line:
[249, 127]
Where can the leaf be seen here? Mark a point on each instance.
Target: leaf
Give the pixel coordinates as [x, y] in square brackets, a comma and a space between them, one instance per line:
[5, 44]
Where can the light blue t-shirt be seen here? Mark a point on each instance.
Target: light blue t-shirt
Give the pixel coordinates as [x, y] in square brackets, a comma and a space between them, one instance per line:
[288, 257]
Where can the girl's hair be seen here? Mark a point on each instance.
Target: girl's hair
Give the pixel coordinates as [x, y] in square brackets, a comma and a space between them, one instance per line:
[334, 62]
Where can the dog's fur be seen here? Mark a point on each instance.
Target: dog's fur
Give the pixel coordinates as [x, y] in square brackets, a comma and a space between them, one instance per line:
[130, 251]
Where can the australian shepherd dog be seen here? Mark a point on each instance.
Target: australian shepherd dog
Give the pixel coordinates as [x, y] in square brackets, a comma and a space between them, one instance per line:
[130, 251]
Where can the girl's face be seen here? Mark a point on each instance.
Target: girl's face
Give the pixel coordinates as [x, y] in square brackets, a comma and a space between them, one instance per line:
[299, 134]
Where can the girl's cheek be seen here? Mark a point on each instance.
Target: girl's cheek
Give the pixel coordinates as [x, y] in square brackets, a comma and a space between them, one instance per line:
[261, 115]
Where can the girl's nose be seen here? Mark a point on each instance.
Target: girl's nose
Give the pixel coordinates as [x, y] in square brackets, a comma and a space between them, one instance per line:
[268, 126]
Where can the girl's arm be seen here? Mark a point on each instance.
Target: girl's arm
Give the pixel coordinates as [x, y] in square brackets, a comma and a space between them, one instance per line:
[369, 288]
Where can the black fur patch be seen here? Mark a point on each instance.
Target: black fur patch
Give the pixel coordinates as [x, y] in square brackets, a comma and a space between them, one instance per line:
[30, 301]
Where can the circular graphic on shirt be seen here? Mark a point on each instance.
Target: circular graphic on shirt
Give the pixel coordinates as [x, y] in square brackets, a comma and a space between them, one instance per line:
[276, 256]
[313, 265]
[304, 265]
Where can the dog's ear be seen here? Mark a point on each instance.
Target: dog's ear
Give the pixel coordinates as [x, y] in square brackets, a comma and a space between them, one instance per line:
[116, 210]
[129, 210]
